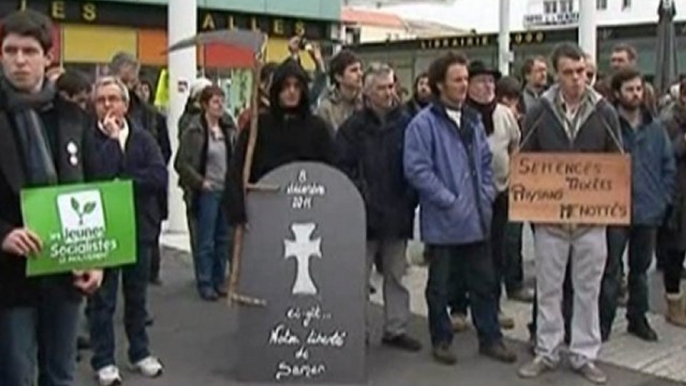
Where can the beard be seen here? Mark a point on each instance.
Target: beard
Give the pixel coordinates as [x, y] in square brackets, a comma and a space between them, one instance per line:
[630, 105]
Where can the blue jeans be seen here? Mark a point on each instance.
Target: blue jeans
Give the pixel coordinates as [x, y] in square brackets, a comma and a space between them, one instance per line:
[213, 240]
[41, 337]
[102, 305]
[474, 261]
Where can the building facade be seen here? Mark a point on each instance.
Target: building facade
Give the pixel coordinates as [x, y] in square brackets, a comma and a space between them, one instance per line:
[411, 57]
[89, 32]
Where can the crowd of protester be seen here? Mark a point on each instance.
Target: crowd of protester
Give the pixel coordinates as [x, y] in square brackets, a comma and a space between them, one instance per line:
[445, 150]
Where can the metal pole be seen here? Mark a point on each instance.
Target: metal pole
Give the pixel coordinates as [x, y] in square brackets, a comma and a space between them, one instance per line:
[504, 55]
[587, 27]
[182, 71]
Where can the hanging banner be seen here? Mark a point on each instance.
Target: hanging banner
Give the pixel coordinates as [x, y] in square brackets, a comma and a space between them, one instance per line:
[571, 188]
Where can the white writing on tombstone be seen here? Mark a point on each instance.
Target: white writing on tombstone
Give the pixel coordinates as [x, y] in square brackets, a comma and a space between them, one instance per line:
[303, 191]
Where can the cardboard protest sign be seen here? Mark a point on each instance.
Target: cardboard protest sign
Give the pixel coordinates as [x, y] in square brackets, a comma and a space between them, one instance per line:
[304, 254]
[571, 188]
[82, 226]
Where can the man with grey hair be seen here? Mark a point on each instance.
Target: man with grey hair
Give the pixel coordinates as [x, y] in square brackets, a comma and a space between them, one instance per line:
[370, 146]
[126, 152]
[126, 67]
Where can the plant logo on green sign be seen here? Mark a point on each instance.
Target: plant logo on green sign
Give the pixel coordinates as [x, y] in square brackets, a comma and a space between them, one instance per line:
[83, 233]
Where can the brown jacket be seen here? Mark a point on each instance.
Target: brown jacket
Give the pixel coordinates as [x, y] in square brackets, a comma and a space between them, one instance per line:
[334, 109]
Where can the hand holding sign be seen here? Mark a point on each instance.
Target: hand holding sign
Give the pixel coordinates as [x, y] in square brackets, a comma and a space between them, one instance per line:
[22, 242]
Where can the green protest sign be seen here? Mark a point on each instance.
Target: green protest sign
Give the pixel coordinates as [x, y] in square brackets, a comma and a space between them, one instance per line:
[82, 226]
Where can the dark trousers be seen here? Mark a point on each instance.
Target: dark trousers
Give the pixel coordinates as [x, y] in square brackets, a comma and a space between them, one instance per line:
[479, 278]
[640, 240]
[102, 305]
[674, 265]
[155, 261]
[42, 338]
[514, 268]
[459, 301]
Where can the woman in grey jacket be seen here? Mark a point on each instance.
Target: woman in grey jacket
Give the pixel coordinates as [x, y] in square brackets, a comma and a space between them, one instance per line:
[202, 163]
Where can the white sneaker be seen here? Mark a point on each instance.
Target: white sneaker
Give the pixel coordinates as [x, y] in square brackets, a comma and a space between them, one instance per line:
[108, 376]
[150, 367]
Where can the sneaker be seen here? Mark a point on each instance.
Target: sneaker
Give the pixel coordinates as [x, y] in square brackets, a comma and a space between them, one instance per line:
[499, 352]
[535, 368]
[402, 341]
[458, 322]
[108, 376]
[443, 354]
[592, 373]
[150, 367]
[505, 322]
[524, 295]
[641, 329]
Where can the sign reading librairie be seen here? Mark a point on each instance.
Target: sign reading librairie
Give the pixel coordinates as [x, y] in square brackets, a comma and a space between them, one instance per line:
[571, 188]
[82, 226]
[305, 256]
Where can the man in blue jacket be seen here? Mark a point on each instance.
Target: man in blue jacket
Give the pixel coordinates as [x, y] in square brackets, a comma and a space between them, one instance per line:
[653, 172]
[126, 152]
[447, 159]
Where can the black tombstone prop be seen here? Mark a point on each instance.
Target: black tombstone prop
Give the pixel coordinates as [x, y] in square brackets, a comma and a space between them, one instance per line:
[304, 254]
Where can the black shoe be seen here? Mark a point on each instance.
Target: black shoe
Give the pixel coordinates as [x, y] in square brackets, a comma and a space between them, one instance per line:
[499, 352]
[221, 291]
[443, 354]
[155, 281]
[641, 329]
[83, 343]
[209, 295]
[402, 341]
[149, 321]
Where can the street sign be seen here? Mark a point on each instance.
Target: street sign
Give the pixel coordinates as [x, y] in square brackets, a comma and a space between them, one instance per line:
[571, 188]
[304, 255]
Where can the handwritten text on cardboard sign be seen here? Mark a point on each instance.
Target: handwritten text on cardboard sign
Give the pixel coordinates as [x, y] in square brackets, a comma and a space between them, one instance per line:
[570, 188]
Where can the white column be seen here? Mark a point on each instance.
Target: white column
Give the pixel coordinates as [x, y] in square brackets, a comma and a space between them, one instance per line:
[587, 27]
[182, 71]
[504, 54]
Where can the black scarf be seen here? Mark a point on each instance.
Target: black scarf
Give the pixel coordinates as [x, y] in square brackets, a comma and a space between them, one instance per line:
[486, 111]
[23, 109]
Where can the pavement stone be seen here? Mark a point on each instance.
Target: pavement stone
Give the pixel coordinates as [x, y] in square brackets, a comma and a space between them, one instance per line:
[195, 339]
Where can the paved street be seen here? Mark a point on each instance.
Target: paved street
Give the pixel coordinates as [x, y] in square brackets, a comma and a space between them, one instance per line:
[194, 340]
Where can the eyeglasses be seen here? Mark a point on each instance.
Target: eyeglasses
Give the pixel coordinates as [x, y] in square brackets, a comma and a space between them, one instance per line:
[108, 99]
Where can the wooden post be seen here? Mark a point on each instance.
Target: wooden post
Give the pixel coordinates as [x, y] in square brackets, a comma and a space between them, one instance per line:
[239, 233]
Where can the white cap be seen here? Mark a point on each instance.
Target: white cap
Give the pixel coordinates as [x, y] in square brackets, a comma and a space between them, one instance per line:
[198, 85]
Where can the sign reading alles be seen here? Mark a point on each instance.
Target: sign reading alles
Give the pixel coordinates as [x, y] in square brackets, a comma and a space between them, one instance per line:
[571, 188]
[82, 226]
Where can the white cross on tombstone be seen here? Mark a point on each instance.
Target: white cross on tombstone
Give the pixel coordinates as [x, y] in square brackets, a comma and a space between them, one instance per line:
[302, 249]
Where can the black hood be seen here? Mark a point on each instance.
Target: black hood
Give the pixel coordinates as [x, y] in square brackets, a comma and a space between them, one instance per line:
[284, 71]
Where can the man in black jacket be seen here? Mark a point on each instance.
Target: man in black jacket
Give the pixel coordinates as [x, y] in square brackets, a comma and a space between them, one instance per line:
[126, 152]
[370, 148]
[421, 95]
[143, 115]
[287, 132]
[44, 141]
